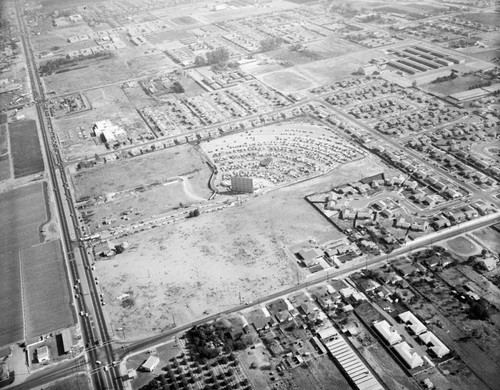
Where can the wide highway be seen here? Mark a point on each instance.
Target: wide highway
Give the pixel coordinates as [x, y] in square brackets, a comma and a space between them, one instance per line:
[93, 325]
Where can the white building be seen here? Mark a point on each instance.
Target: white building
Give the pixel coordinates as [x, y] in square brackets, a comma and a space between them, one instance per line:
[434, 344]
[385, 329]
[151, 363]
[42, 354]
[411, 358]
[412, 322]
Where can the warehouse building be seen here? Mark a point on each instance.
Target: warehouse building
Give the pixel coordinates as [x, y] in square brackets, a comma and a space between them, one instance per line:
[150, 364]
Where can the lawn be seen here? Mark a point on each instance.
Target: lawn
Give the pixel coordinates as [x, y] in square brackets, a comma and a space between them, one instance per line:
[46, 291]
[462, 83]
[22, 212]
[157, 167]
[25, 148]
[286, 81]
[80, 382]
[4, 153]
[493, 19]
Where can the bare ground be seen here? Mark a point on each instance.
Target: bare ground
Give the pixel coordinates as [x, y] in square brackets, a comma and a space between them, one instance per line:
[204, 265]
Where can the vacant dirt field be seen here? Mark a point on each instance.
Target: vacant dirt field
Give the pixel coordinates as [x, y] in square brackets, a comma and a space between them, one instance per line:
[201, 266]
[23, 211]
[47, 298]
[25, 148]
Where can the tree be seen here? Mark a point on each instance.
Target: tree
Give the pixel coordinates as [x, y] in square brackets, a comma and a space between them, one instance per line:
[218, 56]
[199, 61]
[271, 43]
[479, 310]
[177, 87]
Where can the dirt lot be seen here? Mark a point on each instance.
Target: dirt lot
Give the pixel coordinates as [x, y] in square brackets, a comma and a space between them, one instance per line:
[25, 148]
[24, 210]
[200, 266]
[107, 103]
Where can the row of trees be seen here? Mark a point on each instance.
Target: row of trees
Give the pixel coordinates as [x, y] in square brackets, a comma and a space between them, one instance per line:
[52, 66]
[218, 56]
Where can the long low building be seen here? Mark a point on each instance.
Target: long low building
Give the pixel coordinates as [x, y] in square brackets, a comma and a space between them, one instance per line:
[412, 322]
[434, 344]
[410, 357]
[385, 329]
[350, 362]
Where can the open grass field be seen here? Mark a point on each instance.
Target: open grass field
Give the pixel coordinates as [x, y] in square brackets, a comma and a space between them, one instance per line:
[334, 47]
[25, 148]
[184, 21]
[46, 291]
[321, 374]
[493, 19]
[79, 382]
[157, 167]
[463, 247]
[286, 81]
[200, 266]
[4, 153]
[22, 211]
[103, 72]
[487, 55]
[489, 237]
[453, 86]
[335, 69]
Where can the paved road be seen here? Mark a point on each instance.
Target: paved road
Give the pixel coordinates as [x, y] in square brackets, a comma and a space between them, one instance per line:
[64, 203]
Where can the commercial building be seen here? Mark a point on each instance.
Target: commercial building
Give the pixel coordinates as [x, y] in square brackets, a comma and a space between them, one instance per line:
[109, 132]
[42, 354]
[151, 363]
[67, 340]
